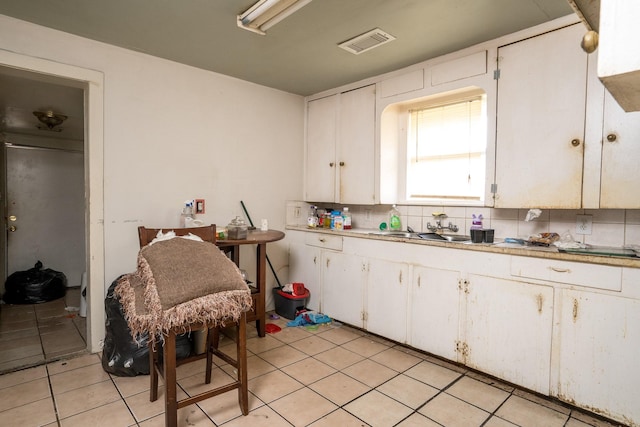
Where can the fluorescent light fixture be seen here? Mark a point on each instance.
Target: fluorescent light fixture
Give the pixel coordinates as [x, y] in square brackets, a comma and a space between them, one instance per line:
[267, 13]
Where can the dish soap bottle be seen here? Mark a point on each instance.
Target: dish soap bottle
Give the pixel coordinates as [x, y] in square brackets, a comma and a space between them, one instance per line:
[394, 219]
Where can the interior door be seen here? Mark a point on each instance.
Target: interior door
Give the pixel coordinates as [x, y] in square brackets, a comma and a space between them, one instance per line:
[45, 210]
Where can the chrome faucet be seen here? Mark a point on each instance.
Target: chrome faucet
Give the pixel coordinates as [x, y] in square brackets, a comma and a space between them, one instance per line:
[439, 228]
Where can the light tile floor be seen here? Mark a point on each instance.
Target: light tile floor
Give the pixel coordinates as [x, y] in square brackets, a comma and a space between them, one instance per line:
[333, 376]
[31, 334]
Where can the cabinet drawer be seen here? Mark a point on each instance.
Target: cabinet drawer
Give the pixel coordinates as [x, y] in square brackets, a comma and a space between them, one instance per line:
[324, 241]
[573, 273]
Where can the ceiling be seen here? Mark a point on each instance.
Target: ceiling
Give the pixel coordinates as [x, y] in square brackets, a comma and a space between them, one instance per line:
[299, 55]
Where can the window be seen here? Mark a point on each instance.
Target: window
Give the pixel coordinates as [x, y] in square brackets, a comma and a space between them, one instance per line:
[446, 149]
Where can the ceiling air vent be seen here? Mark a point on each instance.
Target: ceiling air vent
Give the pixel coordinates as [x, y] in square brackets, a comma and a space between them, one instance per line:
[366, 41]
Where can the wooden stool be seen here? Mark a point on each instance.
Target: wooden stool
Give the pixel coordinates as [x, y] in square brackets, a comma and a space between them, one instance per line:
[167, 369]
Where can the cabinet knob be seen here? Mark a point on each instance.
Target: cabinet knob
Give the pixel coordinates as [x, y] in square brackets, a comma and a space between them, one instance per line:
[575, 142]
[331, 164]
[341, 163]
[611, 137]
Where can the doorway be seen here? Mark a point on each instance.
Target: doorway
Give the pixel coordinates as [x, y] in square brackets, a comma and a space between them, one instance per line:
[91, 83]
[44, 221]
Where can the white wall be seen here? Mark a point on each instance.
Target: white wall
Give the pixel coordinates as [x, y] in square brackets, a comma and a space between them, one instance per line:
[174, 132]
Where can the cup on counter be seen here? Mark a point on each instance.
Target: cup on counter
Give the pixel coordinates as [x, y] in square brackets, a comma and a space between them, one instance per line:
[487, 235]
[482, 235]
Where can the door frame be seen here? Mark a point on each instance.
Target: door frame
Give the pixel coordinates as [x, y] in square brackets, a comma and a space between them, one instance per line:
[92, 82]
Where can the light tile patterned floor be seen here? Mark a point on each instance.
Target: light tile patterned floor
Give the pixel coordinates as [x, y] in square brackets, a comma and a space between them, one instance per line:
[334, 376]
[32, 334]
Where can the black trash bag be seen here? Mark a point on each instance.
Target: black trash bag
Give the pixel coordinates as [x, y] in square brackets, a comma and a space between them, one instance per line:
[35, 286]
[122, 355]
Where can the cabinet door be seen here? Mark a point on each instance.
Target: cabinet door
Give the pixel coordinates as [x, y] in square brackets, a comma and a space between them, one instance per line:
[620, 155]
[541, 110]
[599, 345]
[356, 143]
[304, 266]
[387, 294]
[508, 330]
[320, 170]
[434, 311]
[342, 287]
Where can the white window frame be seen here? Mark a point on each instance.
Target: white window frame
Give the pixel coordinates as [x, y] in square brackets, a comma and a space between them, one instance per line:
[434, 101]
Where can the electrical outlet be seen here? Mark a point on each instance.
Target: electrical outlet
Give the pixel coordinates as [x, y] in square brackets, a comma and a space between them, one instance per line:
[367, 214]
[584, 224]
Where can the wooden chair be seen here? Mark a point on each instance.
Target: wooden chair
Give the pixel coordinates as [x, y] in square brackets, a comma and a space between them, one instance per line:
[167, 367]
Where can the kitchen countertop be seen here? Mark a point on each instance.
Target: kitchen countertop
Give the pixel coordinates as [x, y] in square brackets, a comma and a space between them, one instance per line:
[498, 247]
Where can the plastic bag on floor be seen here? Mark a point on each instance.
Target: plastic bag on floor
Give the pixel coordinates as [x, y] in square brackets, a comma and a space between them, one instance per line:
[122, 355]
[309, 318]
[35, 286]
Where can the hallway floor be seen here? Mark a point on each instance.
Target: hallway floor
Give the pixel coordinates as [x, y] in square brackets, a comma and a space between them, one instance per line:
[334, 376]
[32, 334]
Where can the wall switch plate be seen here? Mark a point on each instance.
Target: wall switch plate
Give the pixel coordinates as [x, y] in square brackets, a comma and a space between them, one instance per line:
[296, 212]
[199, 206]
[584, 224]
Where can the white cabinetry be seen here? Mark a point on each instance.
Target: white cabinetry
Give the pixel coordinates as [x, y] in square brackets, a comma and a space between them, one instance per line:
[612, 151]
[340, 147]
[435, 311]
[499, 326]
[343, 279]
[387, 296]
[540, 121]
[320, 170]
[306, 259]
[618, 62]
[598, 356]
[508, 330]
[304, 266]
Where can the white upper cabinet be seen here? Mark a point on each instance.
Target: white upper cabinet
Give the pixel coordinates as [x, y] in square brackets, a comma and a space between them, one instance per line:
[620, 157]
[340, 147]
[618, 59]
[320, 175]
[540, 121]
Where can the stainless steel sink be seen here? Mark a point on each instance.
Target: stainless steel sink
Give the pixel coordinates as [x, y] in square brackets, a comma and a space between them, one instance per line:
[425, 236]
[405, 234]
[444, 237]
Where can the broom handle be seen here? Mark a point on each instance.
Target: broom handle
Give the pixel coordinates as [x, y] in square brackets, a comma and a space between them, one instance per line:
[244, 208]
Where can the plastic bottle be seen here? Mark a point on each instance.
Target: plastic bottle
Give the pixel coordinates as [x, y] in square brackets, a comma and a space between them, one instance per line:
[336, 220]
[186, 216]
[346, 218]
[394, 219]
[476, 222]
[327, 217]
[312, 219]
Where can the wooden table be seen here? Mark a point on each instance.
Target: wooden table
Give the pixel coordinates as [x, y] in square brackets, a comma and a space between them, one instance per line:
[260, 239]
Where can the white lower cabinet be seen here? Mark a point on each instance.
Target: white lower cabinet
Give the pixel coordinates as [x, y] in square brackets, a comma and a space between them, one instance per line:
[434, 318]
[560, 328]
[343, 279]
[599, 348]
[508, 329]
[304, 266]
[386, 302]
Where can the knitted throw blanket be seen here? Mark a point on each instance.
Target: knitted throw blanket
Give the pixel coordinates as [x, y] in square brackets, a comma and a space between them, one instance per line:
[179, 282]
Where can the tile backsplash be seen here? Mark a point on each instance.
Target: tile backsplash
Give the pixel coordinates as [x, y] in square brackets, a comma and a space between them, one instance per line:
[611, 227]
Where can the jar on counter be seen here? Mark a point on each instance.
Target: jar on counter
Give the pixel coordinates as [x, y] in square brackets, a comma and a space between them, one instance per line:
[237, 229]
